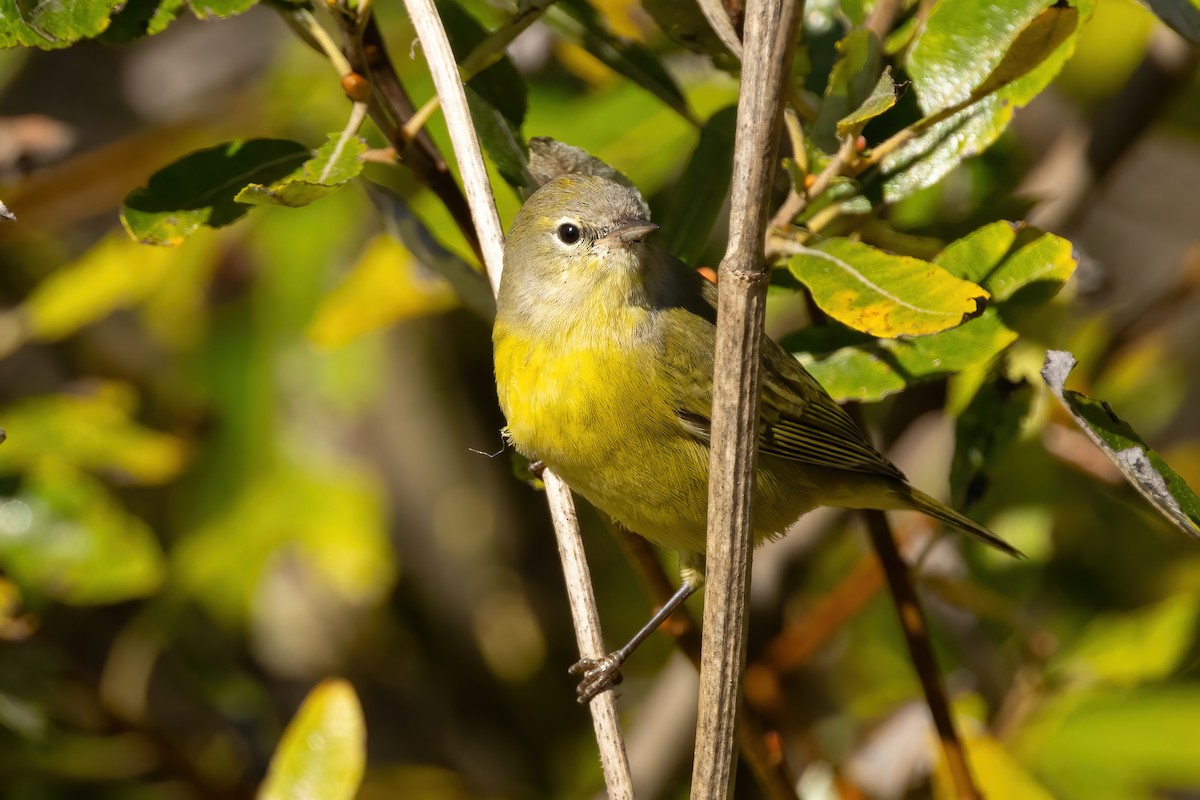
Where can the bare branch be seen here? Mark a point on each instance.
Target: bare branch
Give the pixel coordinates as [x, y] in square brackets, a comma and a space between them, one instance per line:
[768, 43]
[449, 86]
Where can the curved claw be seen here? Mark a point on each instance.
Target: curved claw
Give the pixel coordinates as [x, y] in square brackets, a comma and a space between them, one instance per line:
[596, 675]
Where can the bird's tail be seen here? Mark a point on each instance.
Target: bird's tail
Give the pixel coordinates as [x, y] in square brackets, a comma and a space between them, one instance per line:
[938, 510]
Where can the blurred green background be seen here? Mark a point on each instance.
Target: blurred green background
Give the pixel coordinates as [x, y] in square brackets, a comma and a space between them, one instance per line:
[272, 454]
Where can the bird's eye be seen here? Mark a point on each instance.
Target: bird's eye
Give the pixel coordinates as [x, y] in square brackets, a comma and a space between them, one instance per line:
[568, 233]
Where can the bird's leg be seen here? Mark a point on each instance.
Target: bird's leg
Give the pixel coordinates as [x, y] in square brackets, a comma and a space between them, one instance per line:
[598, 674]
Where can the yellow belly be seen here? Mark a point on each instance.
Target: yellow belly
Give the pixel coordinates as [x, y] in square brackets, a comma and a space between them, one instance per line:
[605, 426]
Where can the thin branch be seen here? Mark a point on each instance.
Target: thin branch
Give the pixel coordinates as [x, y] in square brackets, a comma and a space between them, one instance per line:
[718, 19]
[920, 650]
[444, 70]
[769, 39]
[485, 54]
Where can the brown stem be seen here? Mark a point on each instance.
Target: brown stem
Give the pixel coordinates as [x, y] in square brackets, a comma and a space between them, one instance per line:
[920, 650]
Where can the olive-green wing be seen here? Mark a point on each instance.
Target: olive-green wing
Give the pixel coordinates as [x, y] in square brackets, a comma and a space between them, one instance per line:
[800, 421]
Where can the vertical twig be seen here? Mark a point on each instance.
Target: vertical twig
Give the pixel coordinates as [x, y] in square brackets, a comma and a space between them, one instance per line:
[769, 38]
[444, 70]
[920, 650]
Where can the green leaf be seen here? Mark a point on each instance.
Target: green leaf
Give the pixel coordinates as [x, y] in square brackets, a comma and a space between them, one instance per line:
[49, 24]
[985, 430]
[963, 42]
[697, 198]
[960, 55]
[579, 20]
[333, 165]
[1115, 744]
[1142, 466]
[881, 98]
[199, 189]
[883, 294]
[65, 537]
[323, 753]
[502, 140]
[219, 9]
[1182, 15]
[1128, 649]
[138, 18]
[1021, 267]
[854, 78]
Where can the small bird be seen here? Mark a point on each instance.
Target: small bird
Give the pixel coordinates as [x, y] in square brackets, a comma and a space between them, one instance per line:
[603, 349]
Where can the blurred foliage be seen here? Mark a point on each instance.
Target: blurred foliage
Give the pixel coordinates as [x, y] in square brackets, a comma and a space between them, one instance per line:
[268, 452]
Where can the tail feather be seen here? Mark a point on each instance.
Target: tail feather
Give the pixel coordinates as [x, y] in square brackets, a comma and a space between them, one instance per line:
[939, 510]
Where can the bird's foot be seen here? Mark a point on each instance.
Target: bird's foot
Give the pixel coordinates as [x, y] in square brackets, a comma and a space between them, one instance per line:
[596, 675]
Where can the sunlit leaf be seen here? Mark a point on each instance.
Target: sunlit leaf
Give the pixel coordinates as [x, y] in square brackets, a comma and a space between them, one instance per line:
[996, 773]
[881, 98]
[697, 198]
[199, 189]
[1142, 466]
[322, 755]
[883, 294]
[1133, 648]
[961, 54]
[94, 432]
[1021, 267]
[50, 25]
[963, 43]
[387, 286]
[115, 273]
[66, 538]
[332, 166]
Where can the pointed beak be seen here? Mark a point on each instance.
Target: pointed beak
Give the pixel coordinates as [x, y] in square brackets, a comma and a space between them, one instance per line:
[631, 231]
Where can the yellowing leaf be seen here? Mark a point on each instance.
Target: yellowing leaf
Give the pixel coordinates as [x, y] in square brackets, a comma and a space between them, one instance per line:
[883, 294]
[323, 752]
[93, 432]
[115, 273]
[387, 286]
[996, 773]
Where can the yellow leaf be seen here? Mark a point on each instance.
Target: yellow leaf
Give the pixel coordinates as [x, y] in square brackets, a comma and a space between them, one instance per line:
[323, 751]
[114, 274]
[996, 774]
[387, 286]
